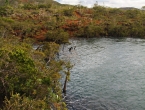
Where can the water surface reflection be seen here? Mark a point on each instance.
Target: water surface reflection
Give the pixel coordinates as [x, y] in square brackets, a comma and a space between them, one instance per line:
[109, 74]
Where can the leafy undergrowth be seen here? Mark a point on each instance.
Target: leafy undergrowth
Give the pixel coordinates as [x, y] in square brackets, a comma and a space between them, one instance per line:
[27, 80]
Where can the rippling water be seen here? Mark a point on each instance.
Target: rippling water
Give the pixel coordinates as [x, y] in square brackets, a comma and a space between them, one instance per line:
[109, 74]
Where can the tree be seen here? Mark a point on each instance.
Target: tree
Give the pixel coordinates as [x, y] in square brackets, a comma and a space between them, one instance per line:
[7, 2]
[24, 72]
[96, 4]
[68, 12]
[5, 10]
[58, 36]
[143, 7]
[68, 67]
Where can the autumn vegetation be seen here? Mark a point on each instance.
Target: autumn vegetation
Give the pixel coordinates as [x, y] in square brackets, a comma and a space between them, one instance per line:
[40, 20]
[30, 78]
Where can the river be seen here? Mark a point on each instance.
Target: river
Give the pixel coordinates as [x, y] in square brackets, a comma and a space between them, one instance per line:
[108, 74]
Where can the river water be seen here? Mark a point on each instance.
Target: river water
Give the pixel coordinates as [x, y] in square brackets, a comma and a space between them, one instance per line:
[108, 74]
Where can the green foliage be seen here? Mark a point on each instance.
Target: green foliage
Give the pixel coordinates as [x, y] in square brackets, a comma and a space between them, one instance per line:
[17, 102]
[99, 11]
[68, 12]
[143, 7]
[33, 76]
[24, 73]
[67, 67]
[113, 11]
[8, 20]
[137, 32]
[44, 6]
[29, 6]
[59, 36]
[118, 31]
[50, 49]
[40, 19]
[5, 10]
[90, 31]
[132, 13]
[51, 25]
[18, 69]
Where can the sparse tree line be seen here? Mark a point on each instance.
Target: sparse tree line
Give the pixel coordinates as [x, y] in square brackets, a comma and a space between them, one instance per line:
[111, 22]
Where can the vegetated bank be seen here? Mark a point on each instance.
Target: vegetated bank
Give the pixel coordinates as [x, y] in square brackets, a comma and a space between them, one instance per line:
[29, 79]
[50, 21]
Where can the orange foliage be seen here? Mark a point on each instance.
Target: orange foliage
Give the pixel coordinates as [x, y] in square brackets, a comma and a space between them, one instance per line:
[98, 22]
[120, 23]
[77, 14]
[69, 22]
[24, 1]
[40, 35]
[88, 11]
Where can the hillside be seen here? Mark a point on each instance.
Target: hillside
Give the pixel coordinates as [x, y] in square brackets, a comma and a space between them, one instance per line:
[49, 16]
[15, 2]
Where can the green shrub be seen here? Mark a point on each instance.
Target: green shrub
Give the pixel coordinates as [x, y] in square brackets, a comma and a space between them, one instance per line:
[5, 10]
[23, 72]
[68, 12]
[44, 6]
[58, 36]
[29, 6]
[17, 102]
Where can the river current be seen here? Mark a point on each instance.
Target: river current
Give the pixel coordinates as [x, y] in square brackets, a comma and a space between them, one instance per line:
[108, 74]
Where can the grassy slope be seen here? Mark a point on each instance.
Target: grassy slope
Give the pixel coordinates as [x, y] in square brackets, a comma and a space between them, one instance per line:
[49, 19]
